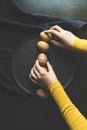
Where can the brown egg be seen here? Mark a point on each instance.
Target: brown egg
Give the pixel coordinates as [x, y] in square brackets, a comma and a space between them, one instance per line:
[43, 46]
[45, 69]
[42, 93]
[42, 58]
[45, 37]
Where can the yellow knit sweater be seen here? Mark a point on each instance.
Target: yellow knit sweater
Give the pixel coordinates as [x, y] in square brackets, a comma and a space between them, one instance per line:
[72, 116]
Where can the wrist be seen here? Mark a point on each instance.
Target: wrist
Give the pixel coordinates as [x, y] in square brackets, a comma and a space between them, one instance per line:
[52, 84]
[73, 39]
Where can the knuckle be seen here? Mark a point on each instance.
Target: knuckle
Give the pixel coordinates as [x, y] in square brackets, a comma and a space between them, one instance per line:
[52, 31]
[55, 26]
[41, 75]
[68, 32]
[63, 34]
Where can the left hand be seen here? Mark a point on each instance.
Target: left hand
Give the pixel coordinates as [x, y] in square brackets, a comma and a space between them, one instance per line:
[41, 77]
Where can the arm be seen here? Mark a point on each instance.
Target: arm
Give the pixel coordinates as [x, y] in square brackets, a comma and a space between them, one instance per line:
[74, 119]
[68, 40]
[72, 116]
[80, 44]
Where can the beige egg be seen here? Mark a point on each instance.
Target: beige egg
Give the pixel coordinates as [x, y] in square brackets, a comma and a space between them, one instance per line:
[45, 69]
[42, 93]
[42, 58]
[43, 46]
[45, 37]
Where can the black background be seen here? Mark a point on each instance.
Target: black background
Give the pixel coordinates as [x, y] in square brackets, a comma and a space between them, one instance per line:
[19, 111]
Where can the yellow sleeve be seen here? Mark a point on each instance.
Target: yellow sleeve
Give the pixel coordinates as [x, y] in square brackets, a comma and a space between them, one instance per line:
[80, 44]
[72, 116]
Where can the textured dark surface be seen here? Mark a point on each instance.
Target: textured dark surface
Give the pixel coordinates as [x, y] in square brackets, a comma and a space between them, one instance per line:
[25, 57]
[19, 111]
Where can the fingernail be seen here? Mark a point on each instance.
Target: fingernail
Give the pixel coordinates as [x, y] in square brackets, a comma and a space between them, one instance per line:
[45, 31]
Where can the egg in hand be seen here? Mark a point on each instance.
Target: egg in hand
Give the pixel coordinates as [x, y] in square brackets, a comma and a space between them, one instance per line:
[42, 58]
[45, 37]
[45, 68]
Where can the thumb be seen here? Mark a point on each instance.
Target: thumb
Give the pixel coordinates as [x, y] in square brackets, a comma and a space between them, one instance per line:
[49, 67]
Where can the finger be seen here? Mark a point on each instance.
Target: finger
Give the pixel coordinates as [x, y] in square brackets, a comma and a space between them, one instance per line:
[57, 44]
[36, 72]
[33, 74]
[33, 80]
[50, 68]
[37, 82]
[54, 33]
[56, 27]
[39, 68]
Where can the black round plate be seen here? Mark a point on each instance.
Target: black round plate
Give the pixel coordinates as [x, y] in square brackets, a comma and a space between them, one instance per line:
[25, 57]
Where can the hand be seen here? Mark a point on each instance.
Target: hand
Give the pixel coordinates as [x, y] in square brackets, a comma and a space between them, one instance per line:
[41, 77]
[66, 37]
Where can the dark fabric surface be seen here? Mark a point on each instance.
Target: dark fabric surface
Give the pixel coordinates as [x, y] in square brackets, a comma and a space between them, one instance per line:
[19, 111]
[16, 26]
[25, 56]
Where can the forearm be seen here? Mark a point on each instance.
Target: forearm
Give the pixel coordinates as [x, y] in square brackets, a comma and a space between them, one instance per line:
[80, 44]
[74, 119]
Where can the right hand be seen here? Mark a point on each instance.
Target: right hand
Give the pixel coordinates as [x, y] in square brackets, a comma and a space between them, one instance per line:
[66, 37]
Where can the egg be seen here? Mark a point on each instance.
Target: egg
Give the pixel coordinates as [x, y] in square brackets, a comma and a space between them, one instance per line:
[42, 58]
[45, 37]
[43, 46]
[42, 93]
[45, 69]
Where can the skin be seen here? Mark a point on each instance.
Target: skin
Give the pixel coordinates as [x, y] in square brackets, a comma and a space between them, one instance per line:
[40, 76]
[66, 37]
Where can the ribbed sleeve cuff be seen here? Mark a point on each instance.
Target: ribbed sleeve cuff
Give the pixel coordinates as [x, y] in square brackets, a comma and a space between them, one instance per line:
[80, 44]
[76, 42]
[55, 85]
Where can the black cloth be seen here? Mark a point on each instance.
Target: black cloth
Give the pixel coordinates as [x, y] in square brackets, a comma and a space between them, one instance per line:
[16, 26]
[19, 111]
